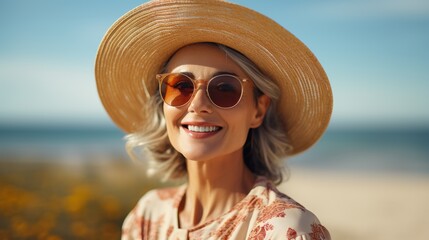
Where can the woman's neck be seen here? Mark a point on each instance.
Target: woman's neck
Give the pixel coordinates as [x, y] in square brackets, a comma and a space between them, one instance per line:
[214, 187]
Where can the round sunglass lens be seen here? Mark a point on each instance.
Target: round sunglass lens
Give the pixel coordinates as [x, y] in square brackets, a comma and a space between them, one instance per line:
[225, 91]
[176, 89]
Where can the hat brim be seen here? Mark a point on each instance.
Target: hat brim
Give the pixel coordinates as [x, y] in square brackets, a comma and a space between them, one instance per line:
[138, 44]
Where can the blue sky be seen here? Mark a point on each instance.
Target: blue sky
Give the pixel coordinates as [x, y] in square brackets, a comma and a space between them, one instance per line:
[375, 52]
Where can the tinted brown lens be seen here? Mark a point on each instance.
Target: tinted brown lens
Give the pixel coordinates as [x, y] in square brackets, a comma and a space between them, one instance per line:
[225, 91]
[176, 89]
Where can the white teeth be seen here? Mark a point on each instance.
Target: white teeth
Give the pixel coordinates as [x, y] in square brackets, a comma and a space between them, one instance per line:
[202, 128]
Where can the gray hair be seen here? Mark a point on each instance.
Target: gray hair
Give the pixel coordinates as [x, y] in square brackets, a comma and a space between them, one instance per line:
[262, 152]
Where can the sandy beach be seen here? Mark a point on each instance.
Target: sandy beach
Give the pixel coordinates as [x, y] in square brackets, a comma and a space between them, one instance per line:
[86, 200]
[364, 206]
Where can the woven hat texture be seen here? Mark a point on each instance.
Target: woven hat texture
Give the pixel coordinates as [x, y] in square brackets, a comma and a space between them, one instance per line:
[137, 45]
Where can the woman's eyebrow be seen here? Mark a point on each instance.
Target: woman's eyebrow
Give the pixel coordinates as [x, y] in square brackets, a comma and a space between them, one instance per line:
[189, 74]
[223, 72]
[192, 76]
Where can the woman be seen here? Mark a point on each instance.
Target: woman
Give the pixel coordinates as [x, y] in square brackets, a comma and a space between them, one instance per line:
[218, 94]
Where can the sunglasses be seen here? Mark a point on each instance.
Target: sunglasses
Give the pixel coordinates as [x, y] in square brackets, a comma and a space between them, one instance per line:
[177, 89]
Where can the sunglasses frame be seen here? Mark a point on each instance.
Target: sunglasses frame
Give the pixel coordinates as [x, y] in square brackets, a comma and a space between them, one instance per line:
[195, 82]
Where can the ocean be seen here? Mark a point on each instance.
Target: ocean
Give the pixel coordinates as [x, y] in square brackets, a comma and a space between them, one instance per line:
[369, 150]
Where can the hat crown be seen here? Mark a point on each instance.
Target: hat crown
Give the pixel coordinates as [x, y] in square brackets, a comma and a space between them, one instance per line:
[139, 43]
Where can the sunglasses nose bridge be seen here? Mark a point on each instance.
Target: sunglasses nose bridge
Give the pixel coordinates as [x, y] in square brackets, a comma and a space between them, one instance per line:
[200, 100]
[200, 85]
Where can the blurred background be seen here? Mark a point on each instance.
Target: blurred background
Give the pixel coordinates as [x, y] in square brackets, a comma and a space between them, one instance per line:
[64, 173]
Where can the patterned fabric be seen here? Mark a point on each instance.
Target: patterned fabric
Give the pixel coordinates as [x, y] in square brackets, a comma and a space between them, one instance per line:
[265, 213]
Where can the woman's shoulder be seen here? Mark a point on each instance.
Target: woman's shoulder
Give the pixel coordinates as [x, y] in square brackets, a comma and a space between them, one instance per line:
[282, 216]
[152, 206]
[155, 202]
[161, 196]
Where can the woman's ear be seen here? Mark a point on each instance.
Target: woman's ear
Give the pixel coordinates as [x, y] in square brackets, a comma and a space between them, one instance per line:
[261, 109]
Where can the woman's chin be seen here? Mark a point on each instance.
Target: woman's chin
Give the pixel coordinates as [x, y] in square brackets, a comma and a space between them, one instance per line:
[197, 156]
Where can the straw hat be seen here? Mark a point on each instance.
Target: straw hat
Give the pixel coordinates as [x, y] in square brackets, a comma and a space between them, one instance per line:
[138, 44]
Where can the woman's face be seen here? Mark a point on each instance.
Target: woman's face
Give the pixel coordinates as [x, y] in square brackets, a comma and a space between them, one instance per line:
[200, 130]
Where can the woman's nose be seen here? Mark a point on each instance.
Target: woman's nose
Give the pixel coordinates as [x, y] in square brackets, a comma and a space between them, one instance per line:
[200, 102]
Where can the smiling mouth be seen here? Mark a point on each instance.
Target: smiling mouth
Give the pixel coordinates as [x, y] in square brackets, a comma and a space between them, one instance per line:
[202, 129]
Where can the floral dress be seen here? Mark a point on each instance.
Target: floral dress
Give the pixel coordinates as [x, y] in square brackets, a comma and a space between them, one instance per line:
[265, 213]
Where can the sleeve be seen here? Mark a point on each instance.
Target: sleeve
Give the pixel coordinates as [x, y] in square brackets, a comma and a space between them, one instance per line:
[318, 232]
[133, 225]
[297, 224]
[131, 228]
